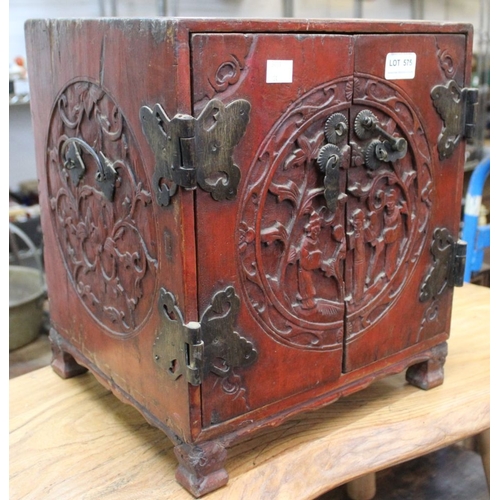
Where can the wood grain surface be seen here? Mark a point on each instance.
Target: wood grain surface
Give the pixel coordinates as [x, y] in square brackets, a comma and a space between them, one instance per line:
[73, 440]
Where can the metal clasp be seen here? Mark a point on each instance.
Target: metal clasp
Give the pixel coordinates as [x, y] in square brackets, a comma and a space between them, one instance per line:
[393, 148]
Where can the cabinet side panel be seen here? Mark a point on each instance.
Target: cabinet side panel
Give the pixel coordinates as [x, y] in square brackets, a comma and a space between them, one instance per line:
[110, 247]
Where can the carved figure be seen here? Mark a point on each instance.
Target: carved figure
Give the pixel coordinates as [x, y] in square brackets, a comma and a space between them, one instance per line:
[357, 241]
[310, 258]
[393, 231]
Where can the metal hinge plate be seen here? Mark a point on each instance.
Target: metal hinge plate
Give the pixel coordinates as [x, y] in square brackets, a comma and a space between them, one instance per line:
[196, 151]
[194, 350]
[448, 267]
[458, 110]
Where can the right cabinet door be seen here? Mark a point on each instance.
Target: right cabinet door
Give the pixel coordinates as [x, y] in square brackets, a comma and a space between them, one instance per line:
[404, 189]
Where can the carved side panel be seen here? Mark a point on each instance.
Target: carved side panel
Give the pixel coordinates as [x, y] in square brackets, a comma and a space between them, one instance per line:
[107, 242]
[291, 245]
[387, 207]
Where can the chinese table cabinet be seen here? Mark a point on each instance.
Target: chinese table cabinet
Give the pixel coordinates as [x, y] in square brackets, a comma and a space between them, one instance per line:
[247, 219]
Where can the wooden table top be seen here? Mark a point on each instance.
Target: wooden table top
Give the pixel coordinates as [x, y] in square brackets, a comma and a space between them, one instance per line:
[72, 439]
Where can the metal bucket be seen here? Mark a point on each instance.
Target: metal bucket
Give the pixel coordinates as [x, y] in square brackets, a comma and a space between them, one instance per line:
[26, 298]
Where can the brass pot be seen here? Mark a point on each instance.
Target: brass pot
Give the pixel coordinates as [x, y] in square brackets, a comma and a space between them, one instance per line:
[26, 298]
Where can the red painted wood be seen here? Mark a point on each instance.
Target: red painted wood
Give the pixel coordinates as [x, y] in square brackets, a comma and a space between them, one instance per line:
[289, 332]
[321, 300]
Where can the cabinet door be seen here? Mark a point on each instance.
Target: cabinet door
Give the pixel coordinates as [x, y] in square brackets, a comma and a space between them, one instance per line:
[272, 256]
[396, 204]
[323, 267]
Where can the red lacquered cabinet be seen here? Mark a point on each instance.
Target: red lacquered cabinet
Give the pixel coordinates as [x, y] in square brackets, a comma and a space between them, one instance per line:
[247, 219]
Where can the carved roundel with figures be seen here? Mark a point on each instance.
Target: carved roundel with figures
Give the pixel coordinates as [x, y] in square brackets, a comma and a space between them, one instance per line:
[311, 273]
[101, 207]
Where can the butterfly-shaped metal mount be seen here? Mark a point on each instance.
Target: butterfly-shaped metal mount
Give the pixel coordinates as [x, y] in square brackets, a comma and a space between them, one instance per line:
[448, 267]
[196, 151]
[194, 350]
[458, 109]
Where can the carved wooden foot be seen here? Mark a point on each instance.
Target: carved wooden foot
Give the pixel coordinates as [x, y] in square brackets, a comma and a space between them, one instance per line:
[201, 467]
[430, 373]
[63, 363]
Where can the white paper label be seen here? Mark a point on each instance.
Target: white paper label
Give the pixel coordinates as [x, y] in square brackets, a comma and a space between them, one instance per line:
[279, 71]
[400, 65]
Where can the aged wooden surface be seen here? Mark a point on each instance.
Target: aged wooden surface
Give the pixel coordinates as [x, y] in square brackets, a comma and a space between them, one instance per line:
[73, 439]
[310, 280]
[314, 257]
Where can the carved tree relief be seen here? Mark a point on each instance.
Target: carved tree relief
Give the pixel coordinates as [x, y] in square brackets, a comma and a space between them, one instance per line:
[101, 207]
[387, 208]
[291, 246]
[303, 265]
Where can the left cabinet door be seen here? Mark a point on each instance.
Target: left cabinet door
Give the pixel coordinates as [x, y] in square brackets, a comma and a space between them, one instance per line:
[271, 256]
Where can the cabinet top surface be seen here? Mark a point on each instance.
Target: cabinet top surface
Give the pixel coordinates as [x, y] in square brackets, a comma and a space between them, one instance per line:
[221, 25]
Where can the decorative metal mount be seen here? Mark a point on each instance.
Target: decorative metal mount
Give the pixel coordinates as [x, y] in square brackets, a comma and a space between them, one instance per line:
[191, 151]
[73, 162]
[196, 349]
[458, 110]
[449, 265]
[366, 125]
[330, 156]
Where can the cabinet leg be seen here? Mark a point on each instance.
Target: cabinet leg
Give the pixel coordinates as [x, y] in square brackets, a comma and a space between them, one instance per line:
[63, 363]
[430, 373]
[362, 488]
[201, 467]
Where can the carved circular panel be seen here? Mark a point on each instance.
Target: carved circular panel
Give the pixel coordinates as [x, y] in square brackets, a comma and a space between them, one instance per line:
[101, 207]
[311, 273]
[388, 207]
[291, 247]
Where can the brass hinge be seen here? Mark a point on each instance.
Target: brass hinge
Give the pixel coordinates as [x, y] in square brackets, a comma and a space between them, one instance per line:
[193, 350]
[449, 265]
[456, 272]
[196, 151]
[458, 110]
[471, 100]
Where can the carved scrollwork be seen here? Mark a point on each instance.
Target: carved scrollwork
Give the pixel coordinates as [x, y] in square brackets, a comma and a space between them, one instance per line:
[224, 67]
[447, 63]
[109, 257]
